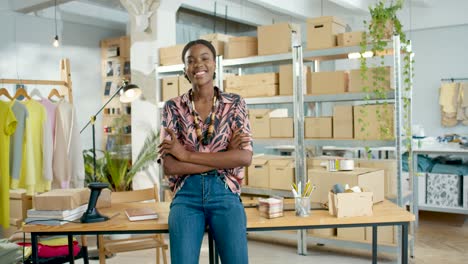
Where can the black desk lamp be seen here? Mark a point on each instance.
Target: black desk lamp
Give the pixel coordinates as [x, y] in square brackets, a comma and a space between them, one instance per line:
[128, 93]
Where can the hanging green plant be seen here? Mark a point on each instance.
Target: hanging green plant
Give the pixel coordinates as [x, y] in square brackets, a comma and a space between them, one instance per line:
[383, 25]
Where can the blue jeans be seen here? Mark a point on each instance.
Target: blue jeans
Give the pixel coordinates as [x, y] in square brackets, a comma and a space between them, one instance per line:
[205, 200]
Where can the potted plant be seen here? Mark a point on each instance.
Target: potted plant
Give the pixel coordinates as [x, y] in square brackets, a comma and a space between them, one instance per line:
[384, 23]
[117, 170]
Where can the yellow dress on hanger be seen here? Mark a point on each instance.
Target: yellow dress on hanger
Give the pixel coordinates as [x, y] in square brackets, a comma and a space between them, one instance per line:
[32, 177]
[7, 128]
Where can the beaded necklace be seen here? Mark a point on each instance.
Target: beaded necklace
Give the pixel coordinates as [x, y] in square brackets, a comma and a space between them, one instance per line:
[204, 140]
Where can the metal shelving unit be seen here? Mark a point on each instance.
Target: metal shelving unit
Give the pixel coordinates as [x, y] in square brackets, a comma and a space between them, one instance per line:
[298, 100]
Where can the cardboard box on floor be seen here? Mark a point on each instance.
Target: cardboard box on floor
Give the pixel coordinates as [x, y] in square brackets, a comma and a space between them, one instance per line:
[170, 88]
[274, 39]
[322, 232]
[375, 123]
[367, 178]
[350, 204]
[349, 38]
[321, 32]
[318, 127]
[281, 173]
[171, 55]
[352, 233]
[286, 79]
[240, 47]
[335, 82]
[356, 83]
[253, 85]
[20, 202]
[385, 234]
[343, 122]
[281, 127]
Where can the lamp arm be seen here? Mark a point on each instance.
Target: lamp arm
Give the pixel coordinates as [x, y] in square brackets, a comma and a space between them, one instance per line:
[93, 117]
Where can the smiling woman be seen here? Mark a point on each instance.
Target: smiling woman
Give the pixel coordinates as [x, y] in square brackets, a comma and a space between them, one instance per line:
[205, 143]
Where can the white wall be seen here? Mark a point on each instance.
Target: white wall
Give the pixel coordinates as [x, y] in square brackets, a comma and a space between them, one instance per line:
[26, 52]
[439, 53]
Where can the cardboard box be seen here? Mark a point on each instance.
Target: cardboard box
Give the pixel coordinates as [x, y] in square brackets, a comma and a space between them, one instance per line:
[281, 173]
[286, 80]
[385, 234]
[369, 179]
[61, 199]
[321, 32]
[329, 82]
[240, 47]
[350, 204]
[377, 121]
[390, 172]
[19, 204]
[352, 233]
[274, 39]
[318, 127]
[171, 55]
[253, 85]
[184, 85]
[260, 122]
[104, 200]
[322, 232]
[356, 83]
[281, 127]
[170, 88]
[259, 175]
[343, 122]
[349, 38]
[317, 161]
[219, 41]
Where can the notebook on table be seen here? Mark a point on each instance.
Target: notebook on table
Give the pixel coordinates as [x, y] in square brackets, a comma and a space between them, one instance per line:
[138, 214]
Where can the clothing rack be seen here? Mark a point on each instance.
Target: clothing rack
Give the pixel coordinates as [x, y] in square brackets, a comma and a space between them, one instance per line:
[65, 83]
[453, 79]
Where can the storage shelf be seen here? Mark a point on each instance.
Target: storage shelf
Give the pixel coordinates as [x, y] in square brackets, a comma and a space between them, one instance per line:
[257, 60]
[170, 68]
[266, 192]
[345, 97]
[443, 209]
[325, 142]
[269, 100]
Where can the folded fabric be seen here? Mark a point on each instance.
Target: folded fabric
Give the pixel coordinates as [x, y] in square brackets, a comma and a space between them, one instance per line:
[44, 251]
[450, 169]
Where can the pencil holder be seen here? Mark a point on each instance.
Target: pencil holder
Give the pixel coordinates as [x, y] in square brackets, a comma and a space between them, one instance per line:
[302, 206]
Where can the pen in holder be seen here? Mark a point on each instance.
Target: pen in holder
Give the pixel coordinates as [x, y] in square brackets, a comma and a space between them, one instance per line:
[302, 198]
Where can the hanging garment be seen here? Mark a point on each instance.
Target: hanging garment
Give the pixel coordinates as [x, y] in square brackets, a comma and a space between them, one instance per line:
[17, 143]
[448, 101]
[32, 178]
[49, 135]
[462, 109]
[68, 163]
[7, 128]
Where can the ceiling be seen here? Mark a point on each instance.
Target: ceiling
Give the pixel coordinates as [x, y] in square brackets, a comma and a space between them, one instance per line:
[111, 13]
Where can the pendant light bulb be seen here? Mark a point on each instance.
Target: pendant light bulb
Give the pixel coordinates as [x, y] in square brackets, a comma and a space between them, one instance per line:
[56, 41]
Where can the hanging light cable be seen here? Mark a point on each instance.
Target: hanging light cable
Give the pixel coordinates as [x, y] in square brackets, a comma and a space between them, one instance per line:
[56, 38]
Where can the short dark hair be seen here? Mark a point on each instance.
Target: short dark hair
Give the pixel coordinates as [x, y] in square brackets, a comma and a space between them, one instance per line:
[195, 42]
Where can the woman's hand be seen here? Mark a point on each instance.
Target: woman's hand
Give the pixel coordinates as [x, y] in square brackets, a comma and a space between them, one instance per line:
[239, 140]
[173, 147]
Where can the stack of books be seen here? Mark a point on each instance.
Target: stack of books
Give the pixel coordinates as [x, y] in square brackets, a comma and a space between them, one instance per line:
[54, 217]
[270, 207]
